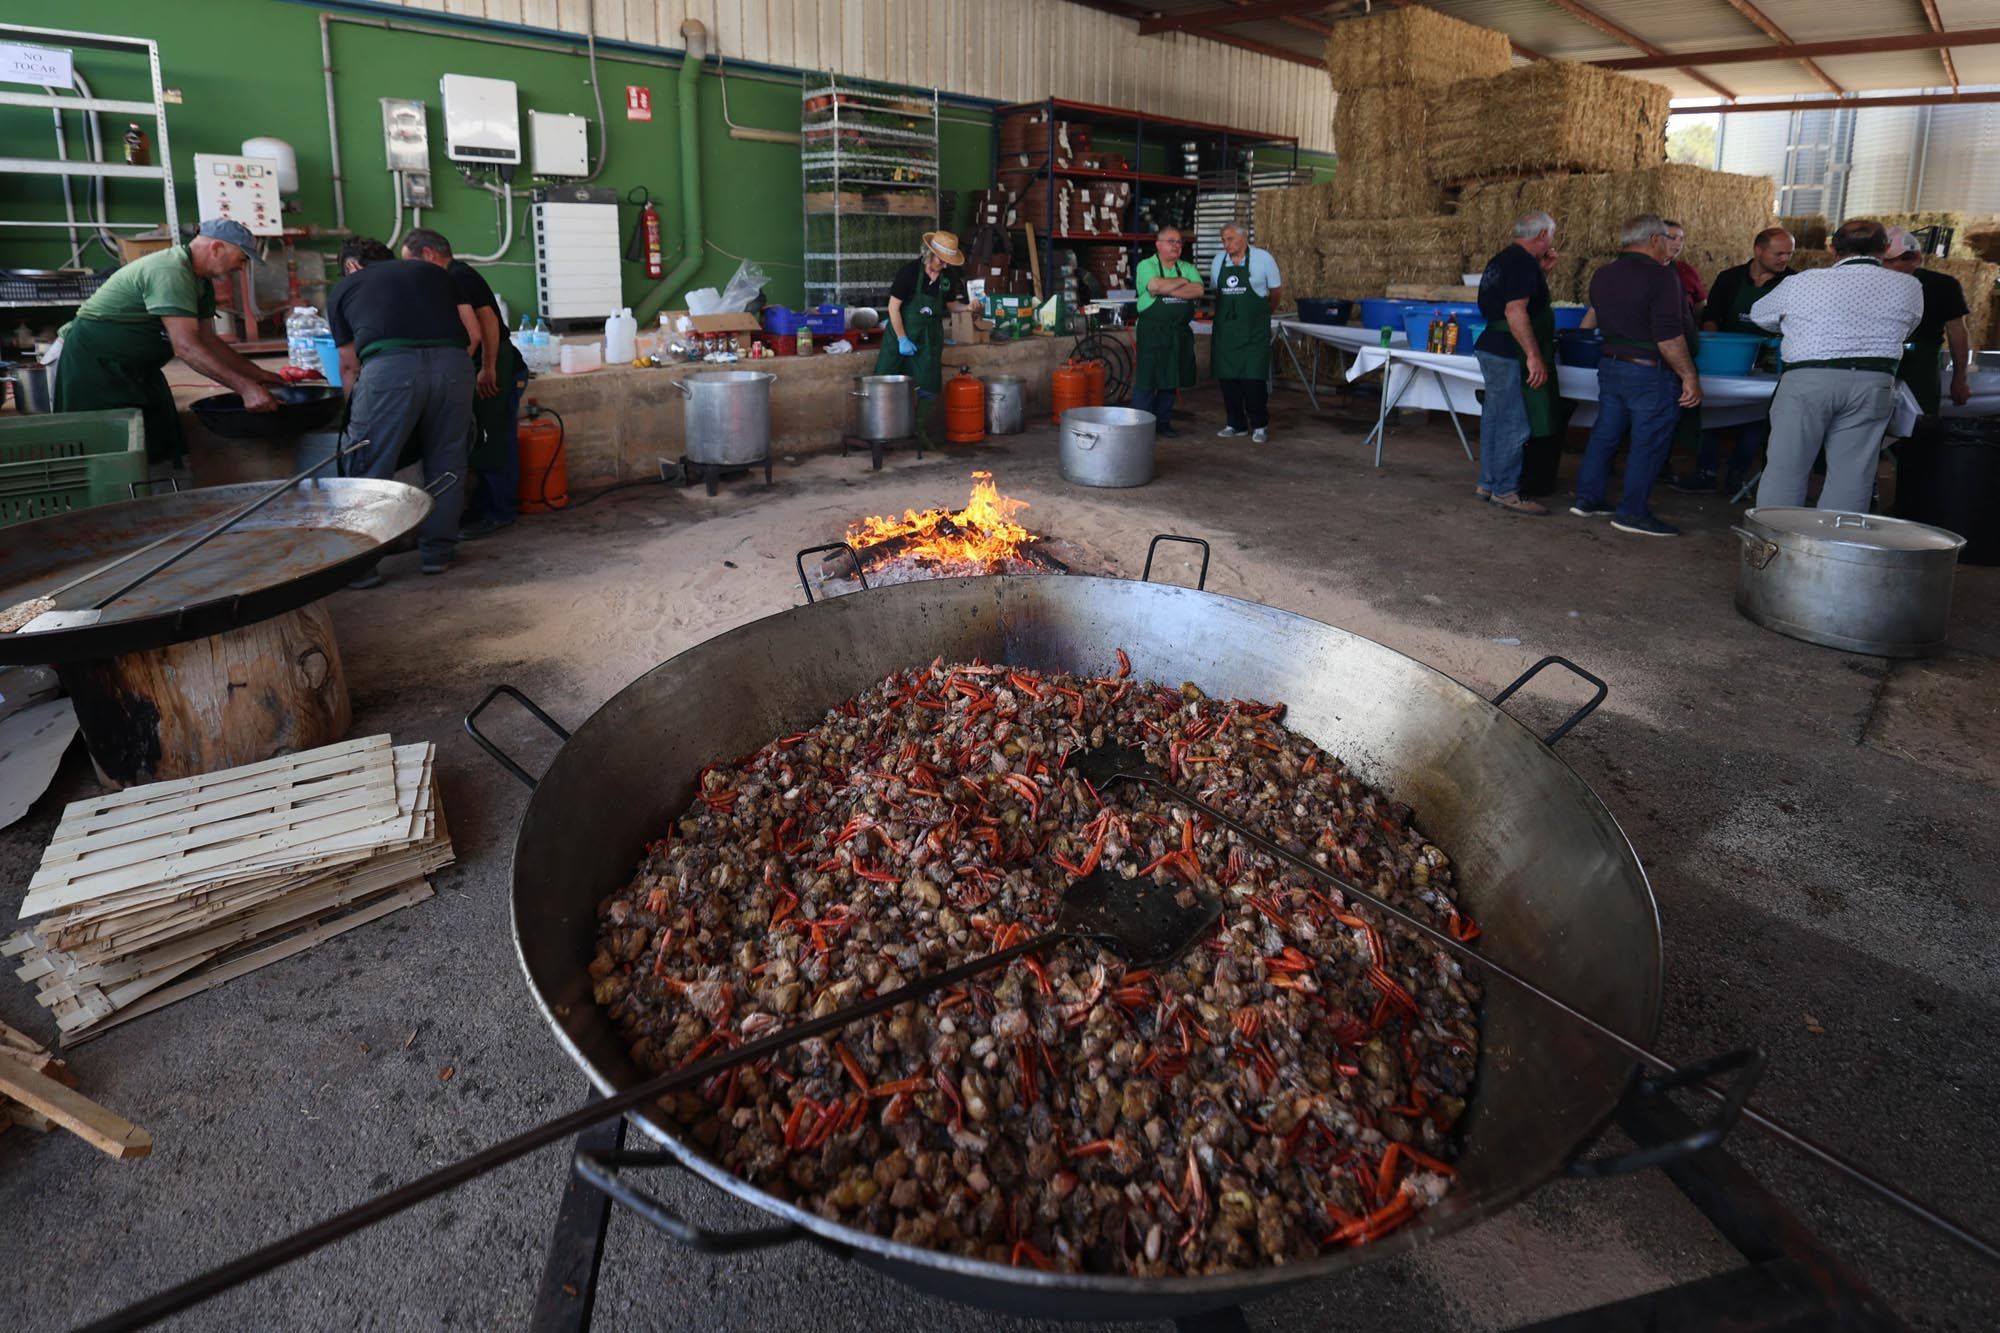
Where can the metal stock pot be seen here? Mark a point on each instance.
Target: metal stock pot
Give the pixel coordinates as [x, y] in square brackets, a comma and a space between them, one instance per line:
[728, 416]
[1861, 582]
[1107, 446]
[886, 407]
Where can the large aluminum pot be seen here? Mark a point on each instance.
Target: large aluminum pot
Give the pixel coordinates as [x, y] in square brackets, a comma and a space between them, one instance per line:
[1861, 582]
[885, 407]
[1544, 868]
[1006, 404]
[728, 416]
[1108, 446]
[34, 387]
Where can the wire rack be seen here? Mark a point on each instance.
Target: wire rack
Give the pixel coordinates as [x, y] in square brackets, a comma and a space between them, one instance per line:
[869, 171]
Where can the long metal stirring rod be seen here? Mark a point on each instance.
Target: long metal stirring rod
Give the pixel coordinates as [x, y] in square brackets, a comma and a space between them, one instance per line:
[1792, 1138]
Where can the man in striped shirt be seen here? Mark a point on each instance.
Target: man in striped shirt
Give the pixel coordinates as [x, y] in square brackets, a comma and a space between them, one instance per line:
[1844, 329]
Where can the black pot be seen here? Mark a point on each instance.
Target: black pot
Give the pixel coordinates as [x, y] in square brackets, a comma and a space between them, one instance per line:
[302, 409]
[1948, 475]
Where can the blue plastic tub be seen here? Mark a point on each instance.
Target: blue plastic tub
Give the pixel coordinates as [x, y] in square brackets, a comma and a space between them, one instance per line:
[329, 360]
[1417, 321]
[1377, 311]
[1727, 353]
[782, 320]
[1569, 316]
[828, 321]
[1582, 348]
[1317, 310]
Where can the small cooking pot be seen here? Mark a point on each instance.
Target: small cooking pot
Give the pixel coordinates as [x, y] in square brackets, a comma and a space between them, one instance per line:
[1862, 582]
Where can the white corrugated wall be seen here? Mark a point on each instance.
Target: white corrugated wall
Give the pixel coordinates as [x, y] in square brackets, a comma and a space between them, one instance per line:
[1008, 50]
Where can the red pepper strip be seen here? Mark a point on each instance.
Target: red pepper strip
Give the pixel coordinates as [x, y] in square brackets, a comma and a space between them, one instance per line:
[854, 1070]
[866, 871]
[1363, 1230]
[1023, 1250]
[950, 1092]
[901, 1085]
[792, 1122]
[1024, 684]
[1095, 1148]
[1464, 929]
[787, 904]
[1124, 664]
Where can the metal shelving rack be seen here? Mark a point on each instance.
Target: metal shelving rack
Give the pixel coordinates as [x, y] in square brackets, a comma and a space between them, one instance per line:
[1217, 143]
[162, 167]
[869, 171]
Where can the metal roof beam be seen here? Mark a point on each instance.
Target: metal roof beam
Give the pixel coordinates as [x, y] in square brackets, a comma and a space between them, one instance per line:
[1125, 11]
[1944, 52]
[1840, 103]
[1636, 42]
[1847, 46]
[1236, 11]
[1780, 36]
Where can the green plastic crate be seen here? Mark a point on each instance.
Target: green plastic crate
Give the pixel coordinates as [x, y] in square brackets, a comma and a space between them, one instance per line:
[54, 463]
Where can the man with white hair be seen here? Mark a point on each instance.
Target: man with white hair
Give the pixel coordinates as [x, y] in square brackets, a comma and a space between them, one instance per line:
[1844, 329]
[1943, 322]
[1645, 376]
[1516, 357]
[1246, 282]
[154, 309]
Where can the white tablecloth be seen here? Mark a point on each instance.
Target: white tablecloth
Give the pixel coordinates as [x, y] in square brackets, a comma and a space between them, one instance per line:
[1431, 380]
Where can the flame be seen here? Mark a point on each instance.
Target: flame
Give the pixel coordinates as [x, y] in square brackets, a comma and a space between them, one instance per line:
[983, 534]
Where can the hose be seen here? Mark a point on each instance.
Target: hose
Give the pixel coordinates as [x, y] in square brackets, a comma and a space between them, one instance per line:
[506, 227]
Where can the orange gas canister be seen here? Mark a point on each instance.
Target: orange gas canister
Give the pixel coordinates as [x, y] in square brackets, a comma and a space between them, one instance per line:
[544, 475]
[965, 408]
[1094, 372]
[1069, 387]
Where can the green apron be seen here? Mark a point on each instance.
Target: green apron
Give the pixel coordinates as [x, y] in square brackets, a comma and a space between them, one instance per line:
[1166, 344]
[106, 364]
[1919, 370]
[1543, 416]
[1687, 430]
[923, 324]
[1240, 348]
[1736, 319]
[491, 415]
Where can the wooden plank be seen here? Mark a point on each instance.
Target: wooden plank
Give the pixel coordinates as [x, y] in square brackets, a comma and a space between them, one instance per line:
[195, 985]
[108, 1133]
[154, 791]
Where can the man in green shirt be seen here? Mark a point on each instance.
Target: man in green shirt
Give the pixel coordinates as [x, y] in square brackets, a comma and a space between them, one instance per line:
[1168, 288]
[149, 312]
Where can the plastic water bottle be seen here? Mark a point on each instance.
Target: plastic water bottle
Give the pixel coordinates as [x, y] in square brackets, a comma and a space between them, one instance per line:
[544, 357]
[524, 337]
[304, 325]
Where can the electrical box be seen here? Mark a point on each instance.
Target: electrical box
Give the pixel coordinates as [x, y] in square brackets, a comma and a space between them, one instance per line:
[406, 142]
[242, 189]
[482, 121]
[560, 144]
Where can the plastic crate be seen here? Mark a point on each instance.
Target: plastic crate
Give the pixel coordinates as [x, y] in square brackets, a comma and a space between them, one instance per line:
[828, 321]
[782, 320]
[69, 460]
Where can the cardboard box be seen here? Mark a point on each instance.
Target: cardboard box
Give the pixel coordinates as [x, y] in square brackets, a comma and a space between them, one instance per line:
[744, 327]
[961, 327]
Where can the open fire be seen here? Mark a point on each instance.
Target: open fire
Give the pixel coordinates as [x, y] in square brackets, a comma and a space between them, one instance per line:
[982, 538]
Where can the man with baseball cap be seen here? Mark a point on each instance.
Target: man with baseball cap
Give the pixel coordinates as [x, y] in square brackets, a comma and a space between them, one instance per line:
[1943, 324]
[150, 311]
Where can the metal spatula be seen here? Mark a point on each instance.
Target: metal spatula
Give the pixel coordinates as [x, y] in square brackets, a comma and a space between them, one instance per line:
[1141, 920]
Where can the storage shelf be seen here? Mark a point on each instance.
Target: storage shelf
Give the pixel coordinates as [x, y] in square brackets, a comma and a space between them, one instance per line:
[853, 243]
[1150, 177]
[32, 166]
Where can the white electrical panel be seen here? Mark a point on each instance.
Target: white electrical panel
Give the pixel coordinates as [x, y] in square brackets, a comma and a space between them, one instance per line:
[577, 258]
[482, 121]
[559, 144]
[242, 189]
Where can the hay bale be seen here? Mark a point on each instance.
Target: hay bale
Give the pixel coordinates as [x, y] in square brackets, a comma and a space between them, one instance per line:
[1380, 136]
[1978, 278]
[1720, 210]
[1982, 239]
[1809, 230]
[1287, 224]
[1365, 256]
[1554, 115]
[1414, 45]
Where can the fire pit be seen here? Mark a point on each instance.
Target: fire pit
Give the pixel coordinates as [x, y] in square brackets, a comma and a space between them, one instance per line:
[940, 543]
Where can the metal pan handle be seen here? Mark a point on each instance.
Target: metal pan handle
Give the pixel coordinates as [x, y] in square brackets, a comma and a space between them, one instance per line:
[1755, 549]
[500, 757]
[1749, 1060]
[138, 488]
[852, 554]
[1574, 718]
[1146, 574]
[601, 1171]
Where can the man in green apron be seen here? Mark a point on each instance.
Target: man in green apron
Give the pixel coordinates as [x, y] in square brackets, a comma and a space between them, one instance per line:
[1168, 288]
[1246, 282]
[150, 311]
[1728, 311]
[921, 293]
[1944, 322]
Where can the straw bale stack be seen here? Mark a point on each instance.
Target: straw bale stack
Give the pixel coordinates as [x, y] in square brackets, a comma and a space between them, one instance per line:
[1982, 239]
[1379, 133]
[1287, 224]
[1809, 230]
[1720, 211]
[1977, 277]
[1956, 221]
[1414, 45]
[1553, 115]
[1364, 256]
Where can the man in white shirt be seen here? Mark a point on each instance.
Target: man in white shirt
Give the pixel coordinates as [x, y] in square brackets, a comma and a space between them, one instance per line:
[1844, 329]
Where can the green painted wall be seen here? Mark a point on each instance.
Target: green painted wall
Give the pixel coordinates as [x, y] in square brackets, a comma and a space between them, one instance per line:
[249, 67]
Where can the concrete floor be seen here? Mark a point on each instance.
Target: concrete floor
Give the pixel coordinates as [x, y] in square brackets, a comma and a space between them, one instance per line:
[1818, 828]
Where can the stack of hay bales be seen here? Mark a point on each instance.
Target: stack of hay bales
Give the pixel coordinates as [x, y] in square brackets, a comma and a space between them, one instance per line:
[1809, 230]
[1980, 279]
[1286, 224]
[1548, 117]
[1982, 238]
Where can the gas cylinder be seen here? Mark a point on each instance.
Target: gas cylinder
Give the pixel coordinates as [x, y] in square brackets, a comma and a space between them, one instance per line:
[1068, 387]
[964, 408]
[1094, 372]
[544, 475]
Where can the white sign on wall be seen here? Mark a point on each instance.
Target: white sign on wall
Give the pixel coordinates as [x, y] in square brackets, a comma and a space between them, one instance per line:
[39, 65]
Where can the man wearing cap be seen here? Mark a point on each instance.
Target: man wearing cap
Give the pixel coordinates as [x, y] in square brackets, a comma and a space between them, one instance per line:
[921, 293]
[1246, 282]
[1168, 288]
[1844, 329]
[1728, 311]
[1943, 322]
[152, 310]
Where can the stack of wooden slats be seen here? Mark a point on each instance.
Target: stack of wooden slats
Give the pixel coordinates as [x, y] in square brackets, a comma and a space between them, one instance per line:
[37, 1091]
[156, 893]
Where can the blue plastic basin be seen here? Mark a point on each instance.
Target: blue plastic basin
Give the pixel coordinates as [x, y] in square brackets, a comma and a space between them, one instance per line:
[1582, 348]
[1377, 311]
[1727, 353]
[1569, 316]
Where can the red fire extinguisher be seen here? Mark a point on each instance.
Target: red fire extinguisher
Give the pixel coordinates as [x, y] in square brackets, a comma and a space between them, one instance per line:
[646, 243]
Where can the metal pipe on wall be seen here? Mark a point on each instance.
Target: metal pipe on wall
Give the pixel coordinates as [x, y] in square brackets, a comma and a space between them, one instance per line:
[332, 121]
[69, 203]
[695, 37]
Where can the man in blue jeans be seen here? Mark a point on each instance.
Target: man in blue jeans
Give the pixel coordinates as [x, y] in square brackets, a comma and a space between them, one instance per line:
[1513, 295]
[1644, 379]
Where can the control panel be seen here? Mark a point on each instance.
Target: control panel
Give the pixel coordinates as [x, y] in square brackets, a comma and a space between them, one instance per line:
[242, 189]
[406, 142]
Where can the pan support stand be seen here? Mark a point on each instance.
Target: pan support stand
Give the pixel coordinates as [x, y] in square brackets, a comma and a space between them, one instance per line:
[875, 448]
[712, 474]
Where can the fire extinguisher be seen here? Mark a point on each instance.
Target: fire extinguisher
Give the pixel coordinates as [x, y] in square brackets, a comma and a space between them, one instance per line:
[646, 244]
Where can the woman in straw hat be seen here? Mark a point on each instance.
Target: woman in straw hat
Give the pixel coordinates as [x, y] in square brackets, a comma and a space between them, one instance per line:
[923, 290]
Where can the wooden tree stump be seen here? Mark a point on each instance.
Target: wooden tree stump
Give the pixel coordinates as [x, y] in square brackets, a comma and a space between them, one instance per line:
[262, 690]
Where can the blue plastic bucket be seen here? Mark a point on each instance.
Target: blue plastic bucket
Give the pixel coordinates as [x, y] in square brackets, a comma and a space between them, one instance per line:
[1582, 348]
[329, 360]
[1569, 316]
[1417, 323]
[1727, 353]
[1377, 311]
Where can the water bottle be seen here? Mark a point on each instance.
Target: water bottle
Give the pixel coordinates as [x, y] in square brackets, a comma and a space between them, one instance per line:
[304, 326]
[524, 337]
[544, 358]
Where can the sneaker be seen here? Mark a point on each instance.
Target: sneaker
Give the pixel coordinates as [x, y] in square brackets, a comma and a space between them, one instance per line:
[1645, 525]
[482, 527]
[1260, 436]
[372, 579]
[1167, 433]
[1699, 483]
[1227, 433]
[1514, 504]
[436, 564]
[1592, 509]
[1482, 492]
